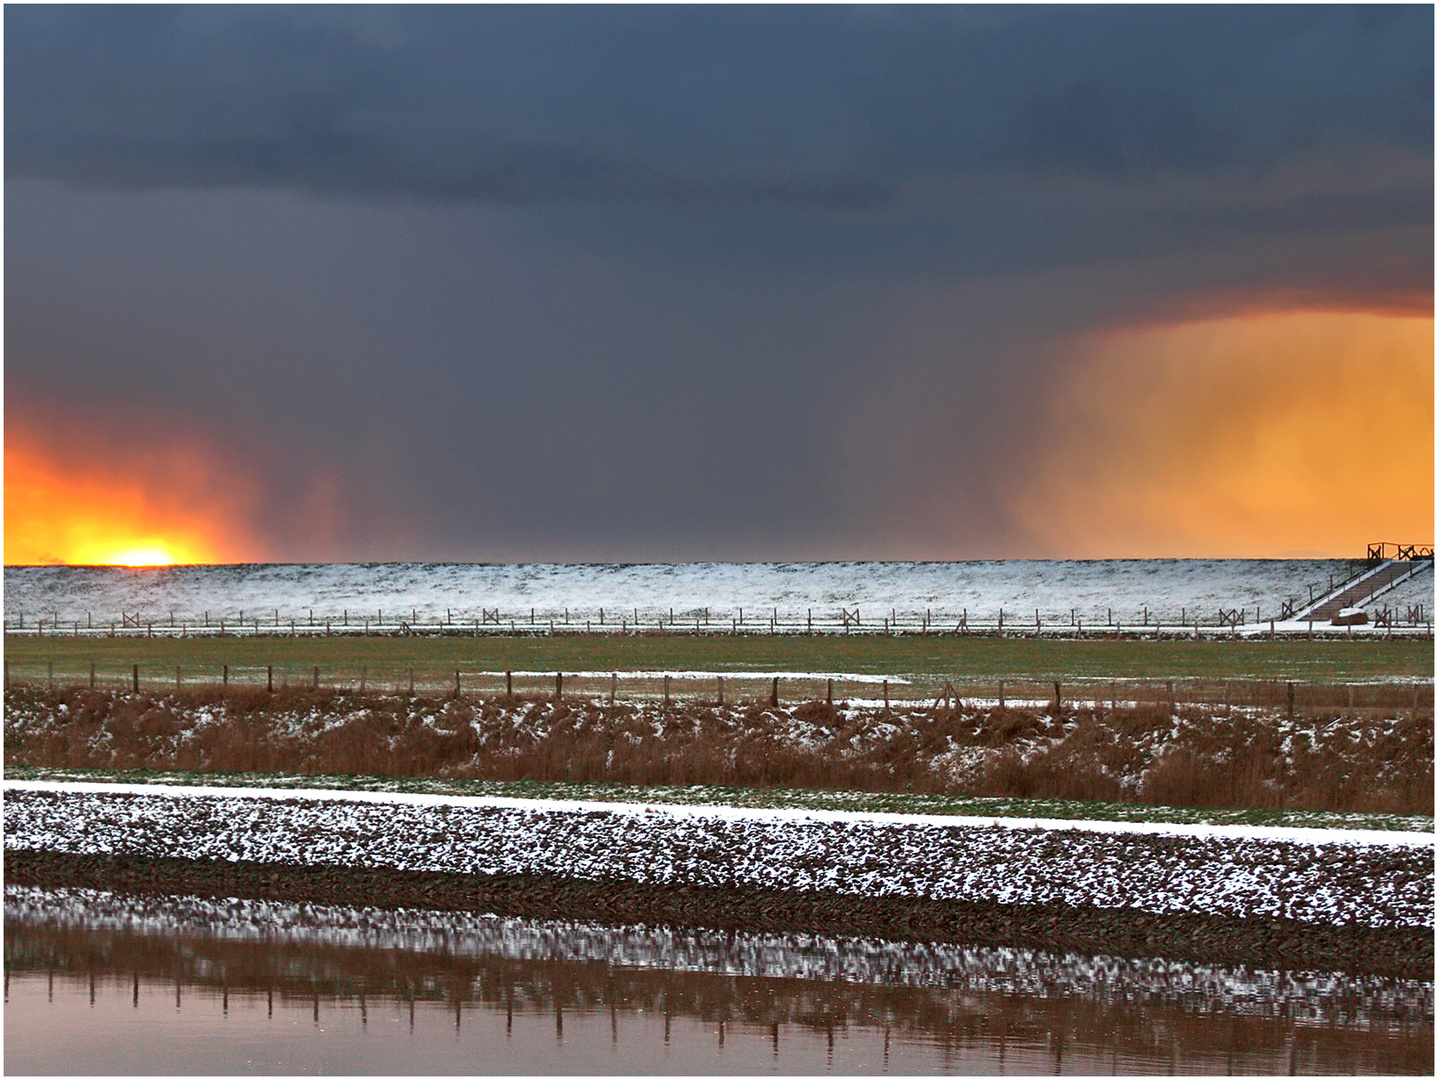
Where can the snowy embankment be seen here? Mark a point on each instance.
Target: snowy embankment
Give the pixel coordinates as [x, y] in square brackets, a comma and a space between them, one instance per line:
[1326, 877]
[1133, 592]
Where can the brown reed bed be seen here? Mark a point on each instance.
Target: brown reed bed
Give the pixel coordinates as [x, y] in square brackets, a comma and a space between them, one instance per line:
[1373, 760]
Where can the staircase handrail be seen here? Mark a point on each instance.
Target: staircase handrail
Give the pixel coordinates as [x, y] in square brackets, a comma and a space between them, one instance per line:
[1364, 570]
[1406, 552]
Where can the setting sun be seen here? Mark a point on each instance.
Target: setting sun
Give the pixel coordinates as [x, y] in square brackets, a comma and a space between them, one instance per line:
[149, 556]
[99, 505]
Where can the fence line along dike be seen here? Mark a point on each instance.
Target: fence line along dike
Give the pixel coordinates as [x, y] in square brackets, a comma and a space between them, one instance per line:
[1283, 621]
[708, 688]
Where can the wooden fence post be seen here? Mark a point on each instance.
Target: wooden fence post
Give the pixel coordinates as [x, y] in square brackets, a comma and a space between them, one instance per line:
[666, 690]
[7, 674]
[774, 693]
[364, 672]
[316, 685]
[92, 674]
[830, 698]
[613, 685]
[225, 675]
[509, 684]
[456, 684]
[135, 677]
[50, 676]
[411, 682]
[559, 686]
[270, 678]
[1171, 704]
[721, 691]
[886, 695]
[1290, 701]
[177, 677]
[1001, 693]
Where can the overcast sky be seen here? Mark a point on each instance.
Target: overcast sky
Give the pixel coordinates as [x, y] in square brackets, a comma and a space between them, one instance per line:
[611, 283]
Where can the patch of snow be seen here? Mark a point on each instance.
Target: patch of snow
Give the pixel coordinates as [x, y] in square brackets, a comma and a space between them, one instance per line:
[1323, 876]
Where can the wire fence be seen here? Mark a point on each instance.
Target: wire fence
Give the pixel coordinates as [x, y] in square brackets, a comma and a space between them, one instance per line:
[1405, 620]
[706, 689]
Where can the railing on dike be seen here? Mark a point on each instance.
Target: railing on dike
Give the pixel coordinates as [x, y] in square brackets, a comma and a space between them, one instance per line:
[1385, 550]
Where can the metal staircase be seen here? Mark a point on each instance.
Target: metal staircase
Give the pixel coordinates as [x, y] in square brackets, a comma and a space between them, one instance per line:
[1382, 574]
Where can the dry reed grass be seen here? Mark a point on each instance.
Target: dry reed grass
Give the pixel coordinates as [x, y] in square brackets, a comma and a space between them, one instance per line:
[1376, 761]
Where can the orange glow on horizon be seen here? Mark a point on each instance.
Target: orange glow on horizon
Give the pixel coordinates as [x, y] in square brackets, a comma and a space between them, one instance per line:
[87, 504]
[153, 556]
[1280, 435]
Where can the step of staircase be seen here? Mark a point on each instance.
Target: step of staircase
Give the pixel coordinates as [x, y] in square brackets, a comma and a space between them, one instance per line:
[1360, 589]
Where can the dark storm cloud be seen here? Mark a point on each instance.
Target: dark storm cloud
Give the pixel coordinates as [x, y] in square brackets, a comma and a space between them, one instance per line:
[825, 107]
[851, 140]
[647, 282]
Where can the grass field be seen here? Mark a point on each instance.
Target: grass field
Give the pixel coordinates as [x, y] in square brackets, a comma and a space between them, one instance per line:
[924, 662]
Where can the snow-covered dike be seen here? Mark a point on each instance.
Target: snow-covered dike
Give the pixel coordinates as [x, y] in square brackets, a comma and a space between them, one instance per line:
[1128, 591]
[1317, 876]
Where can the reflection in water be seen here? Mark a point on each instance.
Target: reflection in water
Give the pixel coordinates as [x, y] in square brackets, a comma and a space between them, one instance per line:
[99, 982]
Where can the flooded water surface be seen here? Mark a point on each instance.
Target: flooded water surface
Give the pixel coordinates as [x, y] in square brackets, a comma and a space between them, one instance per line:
[103, 983]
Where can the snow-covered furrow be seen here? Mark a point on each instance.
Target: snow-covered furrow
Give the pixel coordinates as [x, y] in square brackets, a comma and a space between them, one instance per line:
[1022, 972]
[1156, 869]
[1162, 590]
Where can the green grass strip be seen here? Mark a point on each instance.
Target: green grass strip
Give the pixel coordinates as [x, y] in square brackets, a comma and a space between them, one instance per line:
[436, 658]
